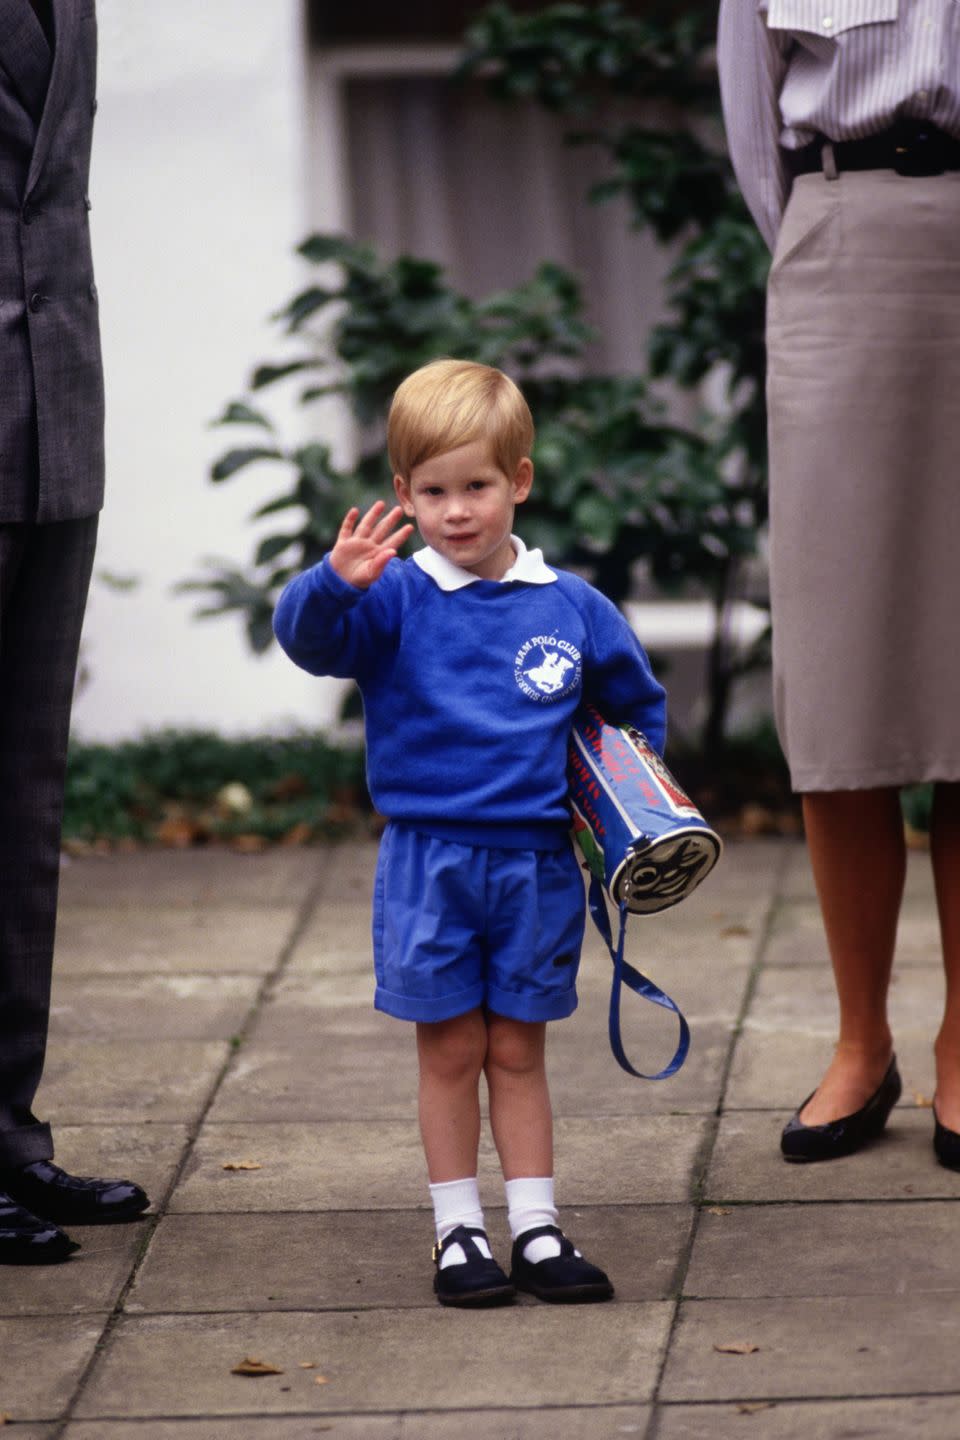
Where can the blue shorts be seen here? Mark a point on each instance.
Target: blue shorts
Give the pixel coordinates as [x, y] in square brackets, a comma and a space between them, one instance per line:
[460, 926]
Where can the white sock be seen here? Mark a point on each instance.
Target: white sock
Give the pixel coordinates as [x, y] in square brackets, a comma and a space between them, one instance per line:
[530, 1205]
[457, 1202]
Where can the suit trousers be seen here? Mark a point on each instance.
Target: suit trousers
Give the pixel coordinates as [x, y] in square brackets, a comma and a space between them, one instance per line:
[44, 577]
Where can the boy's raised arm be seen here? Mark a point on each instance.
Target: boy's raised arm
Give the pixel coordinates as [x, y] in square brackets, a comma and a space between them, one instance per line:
[324, 619]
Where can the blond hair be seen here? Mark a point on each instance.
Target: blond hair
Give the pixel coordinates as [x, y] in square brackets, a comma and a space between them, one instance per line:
[450, 403]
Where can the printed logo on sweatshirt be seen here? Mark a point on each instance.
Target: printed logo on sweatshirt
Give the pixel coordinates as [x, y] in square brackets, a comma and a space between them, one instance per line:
[547, 668]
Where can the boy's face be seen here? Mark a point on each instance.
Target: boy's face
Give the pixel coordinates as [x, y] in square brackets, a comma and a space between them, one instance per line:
[463, 504]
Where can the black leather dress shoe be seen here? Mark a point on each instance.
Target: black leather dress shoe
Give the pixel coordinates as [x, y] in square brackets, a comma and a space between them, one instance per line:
[27, 1240]
[946, 1144]
[44, 1189]
[806, 1143]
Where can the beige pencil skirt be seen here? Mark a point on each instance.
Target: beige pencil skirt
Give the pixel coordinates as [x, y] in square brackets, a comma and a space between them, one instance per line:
[863, 334]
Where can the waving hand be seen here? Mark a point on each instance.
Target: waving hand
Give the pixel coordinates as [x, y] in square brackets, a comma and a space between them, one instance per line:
[365, 546]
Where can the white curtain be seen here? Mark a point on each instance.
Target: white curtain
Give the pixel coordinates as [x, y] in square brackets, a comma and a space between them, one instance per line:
[490, 190]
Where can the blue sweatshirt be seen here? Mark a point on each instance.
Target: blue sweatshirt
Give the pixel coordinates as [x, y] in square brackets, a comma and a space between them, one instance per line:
[469, 693]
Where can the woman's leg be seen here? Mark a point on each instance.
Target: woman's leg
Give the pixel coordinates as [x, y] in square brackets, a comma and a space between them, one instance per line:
[945, 853]
[521, 1117]
[451, 1055]
[856, 845]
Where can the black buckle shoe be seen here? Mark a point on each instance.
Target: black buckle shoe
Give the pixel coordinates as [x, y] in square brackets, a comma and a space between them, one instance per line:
[561, 1279]
[806, 1143]
[27, 1240]
[44, 1189]
[477, 1281]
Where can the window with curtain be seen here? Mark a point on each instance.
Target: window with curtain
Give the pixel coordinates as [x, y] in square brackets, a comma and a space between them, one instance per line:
[438, 169]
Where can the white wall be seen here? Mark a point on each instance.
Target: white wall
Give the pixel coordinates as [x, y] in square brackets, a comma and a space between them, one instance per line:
[199, 195]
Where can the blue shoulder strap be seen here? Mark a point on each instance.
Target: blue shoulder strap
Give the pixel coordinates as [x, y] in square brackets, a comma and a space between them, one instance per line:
[625, 974]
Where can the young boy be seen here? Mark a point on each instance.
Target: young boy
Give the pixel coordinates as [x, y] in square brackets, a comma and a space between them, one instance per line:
[472, 658]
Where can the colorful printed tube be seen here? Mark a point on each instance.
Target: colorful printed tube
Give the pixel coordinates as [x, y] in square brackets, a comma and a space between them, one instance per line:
[641, 835]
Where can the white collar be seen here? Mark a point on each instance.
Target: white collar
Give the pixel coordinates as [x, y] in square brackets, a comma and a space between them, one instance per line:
[529, 566]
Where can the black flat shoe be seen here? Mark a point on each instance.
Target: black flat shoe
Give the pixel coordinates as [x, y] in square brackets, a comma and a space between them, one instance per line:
[946, 1144]
[44, 1189]
[806, 1143]
[27, 1240]
[561, 1279]
[476, 1281]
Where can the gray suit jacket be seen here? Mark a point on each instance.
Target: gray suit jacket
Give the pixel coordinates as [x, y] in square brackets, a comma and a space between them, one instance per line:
[51, 376]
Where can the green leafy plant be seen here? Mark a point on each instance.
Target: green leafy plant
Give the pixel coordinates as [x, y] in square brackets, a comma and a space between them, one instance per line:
[192, 786]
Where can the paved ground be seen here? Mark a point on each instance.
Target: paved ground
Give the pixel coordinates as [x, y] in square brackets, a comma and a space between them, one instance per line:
[212, 1011]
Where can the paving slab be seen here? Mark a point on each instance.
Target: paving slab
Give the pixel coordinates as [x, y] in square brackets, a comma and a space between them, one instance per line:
[705, 970]
[336, 941]
[213, 877]
[322, 1094]
[797, 936]
[348, 870]
[872, 1249]
[747, 1165]
[927, 1417]
[148, 1154]
[89, 1282]
[374, 1165]
[92, 1279]
[103, 1081]
[349, 1260]
[775, 1069]
[586, 1423]
[791, 1028]
[585, 1079]
[796, 877]
[804, 1000]
[33, 1389]
[151, 1007]
[315, 1054]
[828, 1347]
[168, 939]
[747, 869]
[275, 1427]
[379, 1361]
[305, 1064]
[316, 1001]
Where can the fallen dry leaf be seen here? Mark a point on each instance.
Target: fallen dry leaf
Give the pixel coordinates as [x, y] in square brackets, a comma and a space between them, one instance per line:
[177, 832]
[248, 844]
[6, 1419]
[737, 1347]
[242, 1165]
[753, 1407]
[729, 932]
[308, 1365]
[718, 1210]
[298, 834]
[321, 1380]
[252, 1366]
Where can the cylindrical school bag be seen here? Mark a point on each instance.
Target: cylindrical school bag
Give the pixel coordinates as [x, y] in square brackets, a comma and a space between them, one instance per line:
[645, 844]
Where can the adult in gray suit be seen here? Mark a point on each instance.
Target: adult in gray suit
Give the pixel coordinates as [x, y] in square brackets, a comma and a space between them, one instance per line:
[51, 488]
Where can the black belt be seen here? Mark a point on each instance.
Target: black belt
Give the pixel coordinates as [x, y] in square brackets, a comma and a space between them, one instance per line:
[909, 149]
